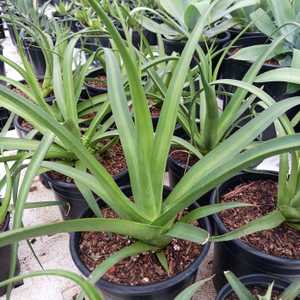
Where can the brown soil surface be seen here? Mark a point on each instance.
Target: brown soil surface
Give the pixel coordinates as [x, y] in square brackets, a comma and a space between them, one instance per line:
[155, 111]
[99, 82]
[142, 269]
[184, 158]
[257, 291]
[282, 241]
[113, 160]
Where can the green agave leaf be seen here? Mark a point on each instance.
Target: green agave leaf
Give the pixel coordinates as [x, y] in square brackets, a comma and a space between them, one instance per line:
[241, 291]
[209, 210]
[283, 13]
[264, 23]
[131, 250]
[211, 177]
[7, 197]
[139, 231]
[290, 75]
[30, 173]
[189, 232]
[168, 115]
[34, 114]
[253, 53]
[292, 291]
[186, 145]
[270, 221]
[188, 293]
[268, 294]
[139, 177]
[194, 11]
[176, 8]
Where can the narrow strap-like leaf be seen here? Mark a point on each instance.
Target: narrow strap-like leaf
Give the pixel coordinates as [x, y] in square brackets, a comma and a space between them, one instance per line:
[292, 291]
[189, 292]
[238, 287]
[270, 221]
[189, 232]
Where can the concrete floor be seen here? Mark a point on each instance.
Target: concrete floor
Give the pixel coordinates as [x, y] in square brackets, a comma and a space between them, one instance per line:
[53, 251]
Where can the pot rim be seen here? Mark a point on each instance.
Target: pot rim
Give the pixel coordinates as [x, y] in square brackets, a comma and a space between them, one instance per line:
[253, 279]
[224, 37]
[245, 62]
[176, 163]
[70, 185]
[94, 73]
[141, 289]
[239, 242]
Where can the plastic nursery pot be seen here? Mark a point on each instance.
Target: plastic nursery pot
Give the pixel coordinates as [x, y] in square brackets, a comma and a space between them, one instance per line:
[5, 254]
[23, 131]
[12, 33]
[176, 171]
[164, 290]
[236, 69]
[239, 257]
[36, 57]
[2, 33]
[4, 113]
[255, 280]
[93, 90]
[73, 201]
[234, 32]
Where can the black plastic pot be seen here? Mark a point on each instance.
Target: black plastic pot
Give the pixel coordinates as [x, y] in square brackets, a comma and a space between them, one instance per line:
[234, 32]
[165, 290]
[255, 280]
[92, 90]
[68, 193]
[176, 171]
[239, 257]
[12, 33]
[5, 254]
[4, 113]
[22, 131]
[36, 57]
[236, 69]
[2, 33]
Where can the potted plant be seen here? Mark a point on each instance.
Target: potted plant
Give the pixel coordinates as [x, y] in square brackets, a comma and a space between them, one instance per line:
[151, 222]
[265, 236]
[176, 20]
[92, 121]
[27, 23]
[257, 285]
[203, 123]
[272, 25]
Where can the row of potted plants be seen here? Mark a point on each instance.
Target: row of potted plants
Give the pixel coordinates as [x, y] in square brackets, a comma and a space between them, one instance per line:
[103, 145]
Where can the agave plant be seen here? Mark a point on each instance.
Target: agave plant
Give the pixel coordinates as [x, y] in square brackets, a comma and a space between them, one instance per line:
[63, 8]
[148, 219]
[243, 292]
[280, 18]
[242, 15]
[178, 18]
